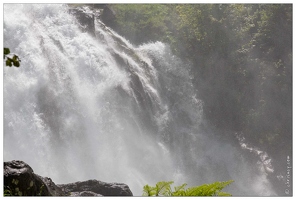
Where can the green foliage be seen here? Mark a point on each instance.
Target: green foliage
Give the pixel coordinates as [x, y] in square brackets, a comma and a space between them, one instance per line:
[15, 61]
[41, 190]
[160, 189]
[163, 188]
[15, 191]
[6, 51]
[12, 191]
[7, 191]
[143, 22]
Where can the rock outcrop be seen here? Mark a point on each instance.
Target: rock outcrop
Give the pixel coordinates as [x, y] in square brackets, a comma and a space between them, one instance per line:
[108, 15]
[20, 180]
[96, 187]
[85, 18]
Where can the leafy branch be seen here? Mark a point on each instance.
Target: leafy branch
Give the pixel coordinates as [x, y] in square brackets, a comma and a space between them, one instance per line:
[15, 61]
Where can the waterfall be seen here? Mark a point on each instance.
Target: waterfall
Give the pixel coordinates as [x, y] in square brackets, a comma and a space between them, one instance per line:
[96, 107]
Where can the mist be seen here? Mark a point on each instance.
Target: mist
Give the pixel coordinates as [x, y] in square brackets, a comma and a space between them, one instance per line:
[99, 107]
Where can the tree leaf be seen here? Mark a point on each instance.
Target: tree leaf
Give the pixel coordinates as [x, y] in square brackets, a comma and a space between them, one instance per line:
[16, 63]
[6, 51]
[8, 63]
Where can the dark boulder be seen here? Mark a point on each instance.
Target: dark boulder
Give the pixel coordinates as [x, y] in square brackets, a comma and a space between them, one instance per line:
[20, 180]
[97, 187]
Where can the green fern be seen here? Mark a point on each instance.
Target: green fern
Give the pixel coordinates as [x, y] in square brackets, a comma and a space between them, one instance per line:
[179, 190]
[163, 188]
[148, 191]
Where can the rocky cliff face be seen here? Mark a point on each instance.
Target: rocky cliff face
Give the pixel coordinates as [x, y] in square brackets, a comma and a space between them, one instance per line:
[20, 180]
[87, 14]
[85, 18]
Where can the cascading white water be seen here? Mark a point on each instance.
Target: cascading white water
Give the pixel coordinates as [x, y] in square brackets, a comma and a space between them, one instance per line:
[83, 107]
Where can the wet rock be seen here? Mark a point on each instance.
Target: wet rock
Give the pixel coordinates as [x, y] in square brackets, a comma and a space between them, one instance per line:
[108, 15]
[53, 189]
[84, 193]
[97, 187]
[85, 18]
[20, 180]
